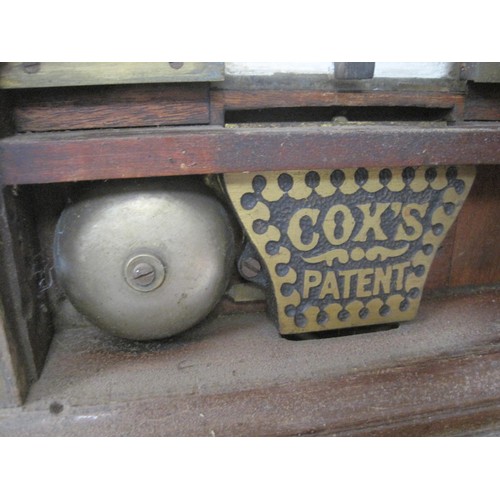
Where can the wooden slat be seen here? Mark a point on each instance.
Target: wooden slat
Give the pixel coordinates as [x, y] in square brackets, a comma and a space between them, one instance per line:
[217, 111]
[56, 74]
[476, 254]
[6, 120]
[13, 376]
[470, 253]
[111, 106]
[482, 102]
[23, 277]
[17, 358]
[13, 385]
[67, 156]
[325, 82]
[256, 99]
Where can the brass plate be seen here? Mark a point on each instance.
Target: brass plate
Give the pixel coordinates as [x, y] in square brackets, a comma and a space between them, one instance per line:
[349, 247]
[57, 74]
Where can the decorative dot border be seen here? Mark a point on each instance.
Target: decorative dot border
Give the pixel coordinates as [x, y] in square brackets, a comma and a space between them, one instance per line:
[255, 217]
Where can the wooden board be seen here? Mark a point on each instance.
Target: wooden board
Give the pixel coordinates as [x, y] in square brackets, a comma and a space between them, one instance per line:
[13, 385]
[24, 280]
[132, 153]
[6, 118]
[476, 254]
[259, 99]
[56, 74]
[482, 102]
[470, 252]
[111, 106]
[17, 360]
[235, 376]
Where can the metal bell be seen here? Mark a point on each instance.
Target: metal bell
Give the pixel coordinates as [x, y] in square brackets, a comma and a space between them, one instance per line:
[145, 260]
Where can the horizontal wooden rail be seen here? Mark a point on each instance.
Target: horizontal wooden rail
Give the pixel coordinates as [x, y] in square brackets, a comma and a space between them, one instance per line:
[112, 106]
[132, 153]
[259, 99]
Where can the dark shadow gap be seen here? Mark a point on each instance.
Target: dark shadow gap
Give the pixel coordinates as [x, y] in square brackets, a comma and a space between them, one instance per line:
[337, 113]
[342, 332]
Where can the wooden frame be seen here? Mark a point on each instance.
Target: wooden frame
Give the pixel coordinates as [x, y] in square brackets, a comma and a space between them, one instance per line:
[132, 153]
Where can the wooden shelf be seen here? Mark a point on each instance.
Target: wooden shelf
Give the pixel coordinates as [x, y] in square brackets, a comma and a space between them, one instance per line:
[234, 375]
[144, 152]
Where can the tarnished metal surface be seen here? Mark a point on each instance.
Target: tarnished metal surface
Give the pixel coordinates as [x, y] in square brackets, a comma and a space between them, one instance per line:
[354, 70]
[347, 248]
[484, 72]
[145, 272]
[57, 74]
[145, 260]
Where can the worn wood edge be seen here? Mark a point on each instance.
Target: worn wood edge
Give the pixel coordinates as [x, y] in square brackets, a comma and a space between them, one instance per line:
[6, 114]
[454, 392]
[482, 102]
[469, 254]
[102, 118]
[16, 358]
[475, 420]
[261, 411]
[327, 82]
[12, 388]
[257, 99]
[111, 106]
[476, 255]
[13, 383]
[27, 329]
[11, 294]
[132, 153]
[56, 74]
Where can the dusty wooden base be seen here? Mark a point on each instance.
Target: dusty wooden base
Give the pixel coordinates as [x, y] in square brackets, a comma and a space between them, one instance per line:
[234, 375]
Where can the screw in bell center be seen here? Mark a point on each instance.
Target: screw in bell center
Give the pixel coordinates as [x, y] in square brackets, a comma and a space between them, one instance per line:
[144, 272]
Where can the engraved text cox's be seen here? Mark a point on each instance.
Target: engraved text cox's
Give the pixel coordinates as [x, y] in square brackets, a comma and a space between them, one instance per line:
[337, 227]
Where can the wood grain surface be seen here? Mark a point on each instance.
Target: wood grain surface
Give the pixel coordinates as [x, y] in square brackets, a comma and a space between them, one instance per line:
[132, 153]
[255, 99]
[111, 106]
[476, 253]
[482, 102]
[235, 376]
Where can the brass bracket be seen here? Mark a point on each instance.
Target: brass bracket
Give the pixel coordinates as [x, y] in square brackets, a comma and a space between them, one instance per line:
[57, 74]
[351, 247]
